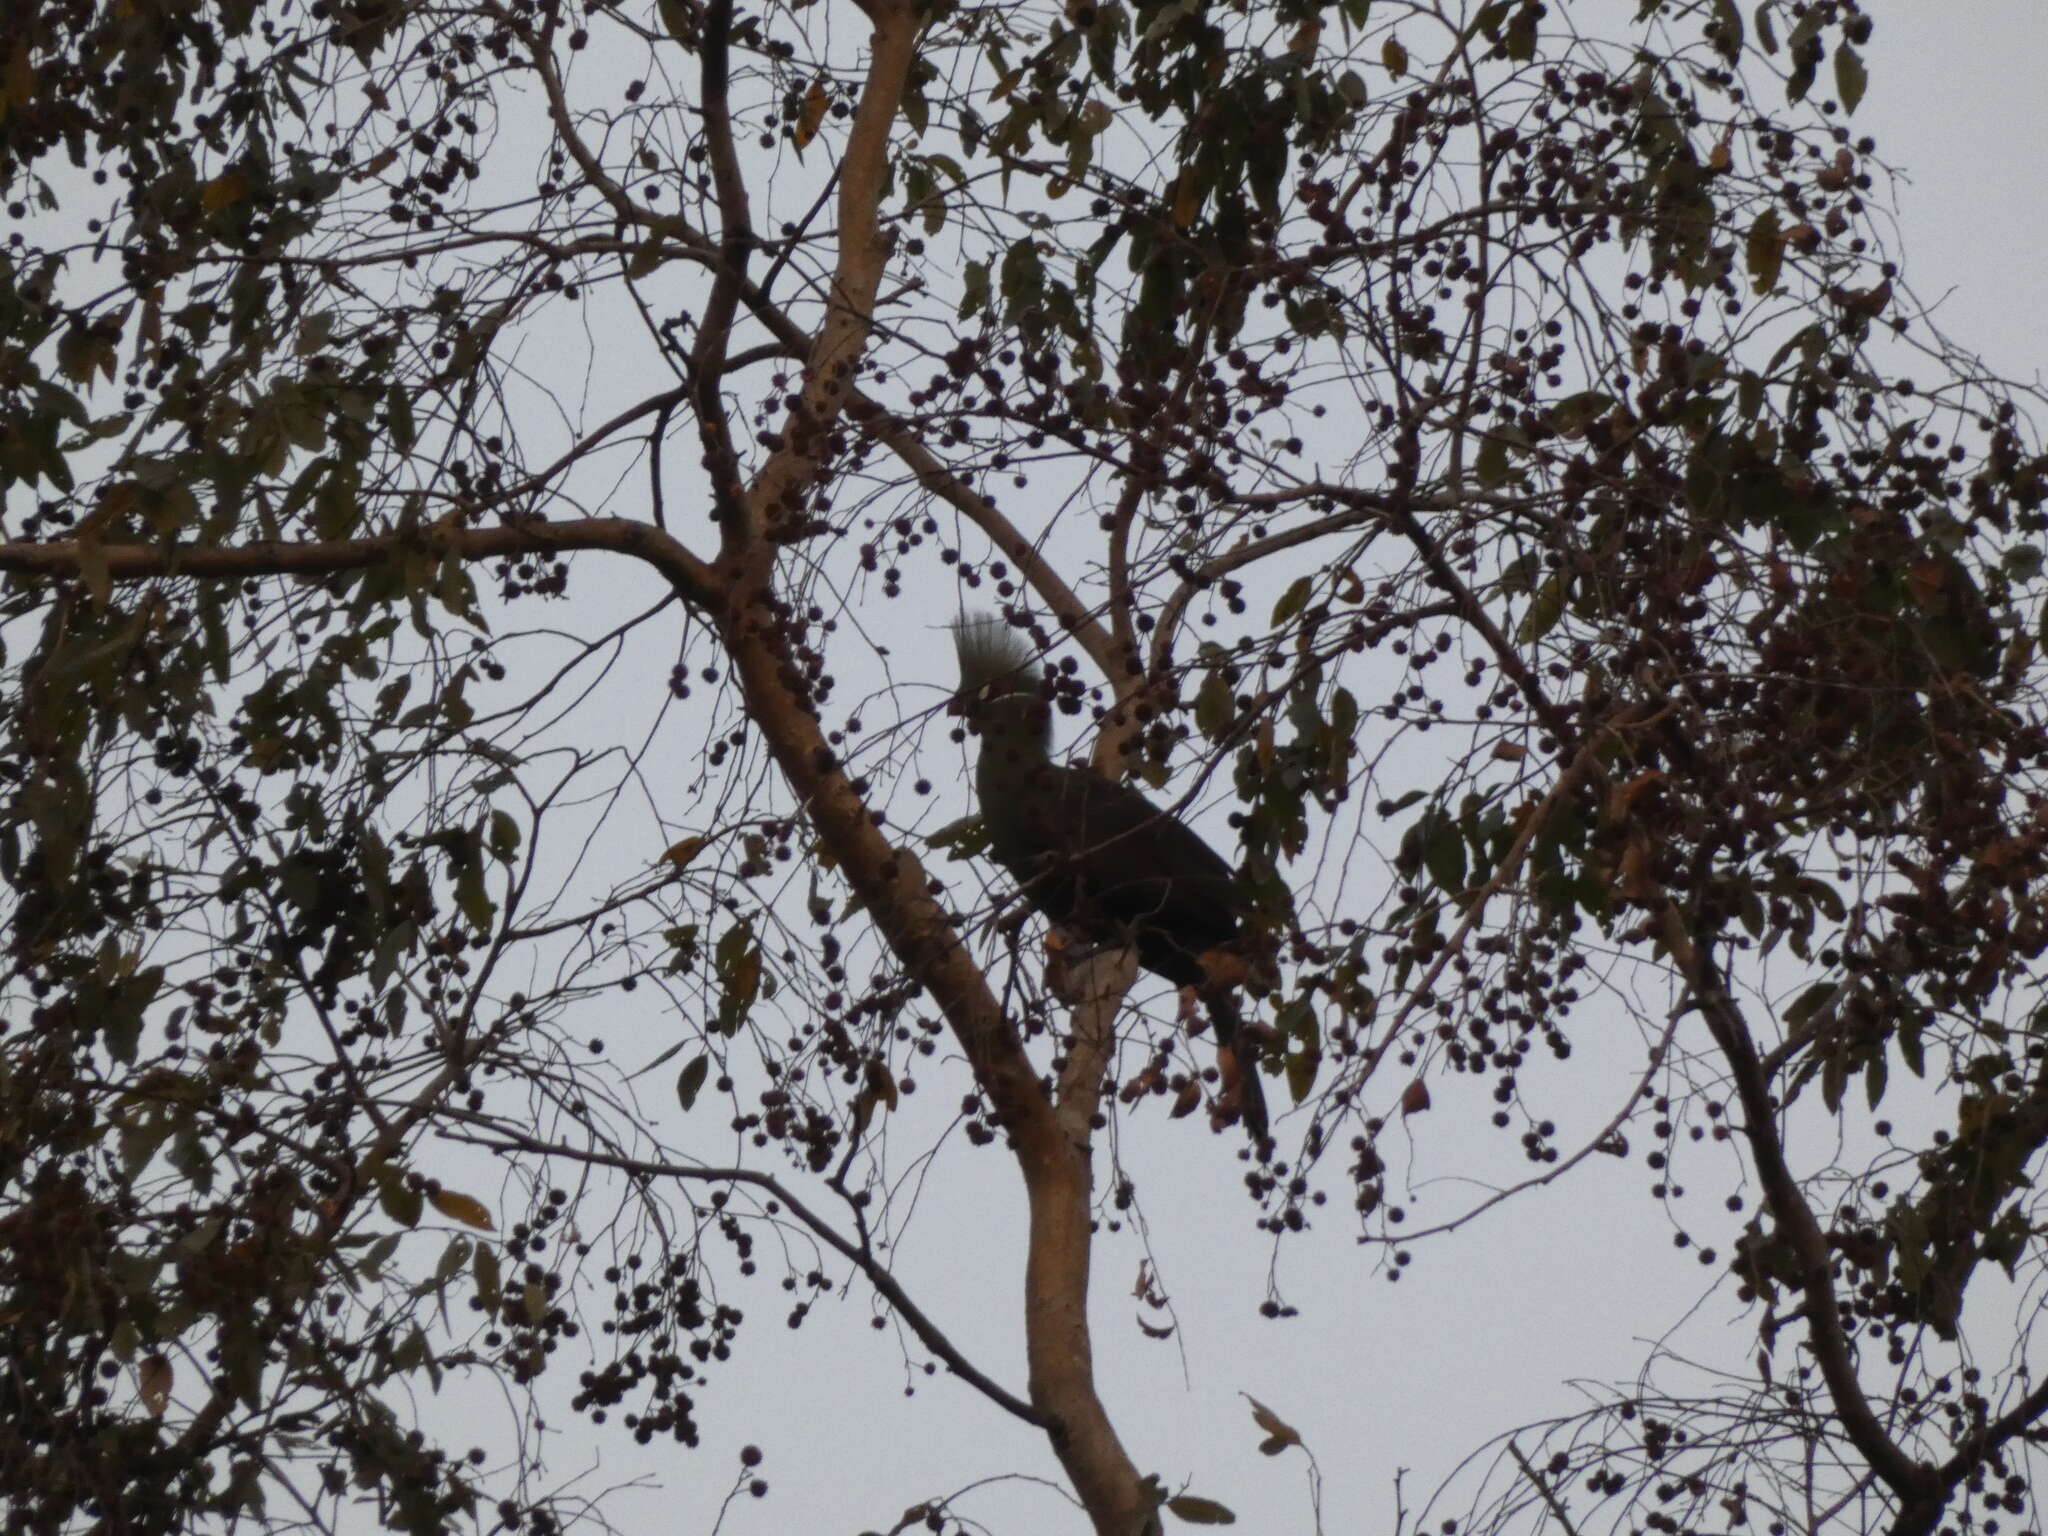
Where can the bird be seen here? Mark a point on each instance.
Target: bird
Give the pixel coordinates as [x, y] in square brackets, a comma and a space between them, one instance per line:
[1095, 856]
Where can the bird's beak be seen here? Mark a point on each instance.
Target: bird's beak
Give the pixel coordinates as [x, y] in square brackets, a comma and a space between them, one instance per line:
[963, 704]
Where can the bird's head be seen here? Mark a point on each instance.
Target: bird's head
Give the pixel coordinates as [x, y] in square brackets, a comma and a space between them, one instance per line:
[1001, 681]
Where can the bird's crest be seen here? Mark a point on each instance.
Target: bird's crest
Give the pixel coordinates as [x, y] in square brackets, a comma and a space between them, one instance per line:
[1000, 688]
[990, 651]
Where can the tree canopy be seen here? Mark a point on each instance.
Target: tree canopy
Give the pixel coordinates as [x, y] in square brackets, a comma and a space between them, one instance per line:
[493, 893]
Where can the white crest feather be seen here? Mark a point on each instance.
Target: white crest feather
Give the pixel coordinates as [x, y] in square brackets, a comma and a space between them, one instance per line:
[990, 650]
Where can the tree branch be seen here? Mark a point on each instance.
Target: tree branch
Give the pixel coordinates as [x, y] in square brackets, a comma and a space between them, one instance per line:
[692, 578]
[1828, 1333]
[861, 1257]
[777, 494]
[890, 880]
[736, 243]
[1236, 559]
[896, 890]
[1080, 619]
[1095, 987]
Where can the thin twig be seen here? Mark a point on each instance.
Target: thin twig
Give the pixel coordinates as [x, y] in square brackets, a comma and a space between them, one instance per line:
[1536, 1481]
[497, 1138]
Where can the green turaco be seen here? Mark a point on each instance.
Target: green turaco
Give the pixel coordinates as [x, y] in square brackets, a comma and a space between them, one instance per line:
[1098, 858]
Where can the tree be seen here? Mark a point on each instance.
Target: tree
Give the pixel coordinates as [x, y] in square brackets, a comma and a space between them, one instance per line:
[1490, 474]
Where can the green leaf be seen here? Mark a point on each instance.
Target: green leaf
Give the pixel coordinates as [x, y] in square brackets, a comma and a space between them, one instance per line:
[1801, 79]
[681, 24]
[1215, 706]
[473, 899]
[398, 418]
[1519, 574]
[1825, 897]
[401, 1202]
[1544, 612]
[504, 835]
[646, 260]
[737, 960]
[1834, 1078]
[1519, 42]
[337, 509]
[1913, 1049]
[1443, 853]
[315, 332]
[1765, 251]
[489, 1283]
[1302, 1069]
[1490, 465]
[453, 1258]
[974, 289]
[1728, 30]
[1851, 78]
[1804, 1006]
[377, 1255]
[964, 837]
[1293, 600]
[93, 570]
[1575, 413]
[690, 1081]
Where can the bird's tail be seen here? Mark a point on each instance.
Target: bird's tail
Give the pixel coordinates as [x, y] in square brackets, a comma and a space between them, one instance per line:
[1230, 1035]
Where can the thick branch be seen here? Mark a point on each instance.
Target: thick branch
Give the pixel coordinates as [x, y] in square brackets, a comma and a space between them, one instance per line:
[777, 494]
[898, 893]
[890, 880]
[1828, 1332]
[1077, 617]
[1095, 989]
[736, 242]
[691, 577]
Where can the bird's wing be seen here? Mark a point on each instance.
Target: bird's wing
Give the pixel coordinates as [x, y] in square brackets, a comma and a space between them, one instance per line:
[1143, 869]
[1116, 818]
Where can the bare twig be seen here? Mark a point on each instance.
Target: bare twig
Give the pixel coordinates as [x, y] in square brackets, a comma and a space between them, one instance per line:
[498, 1138]
[1550, 1498]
